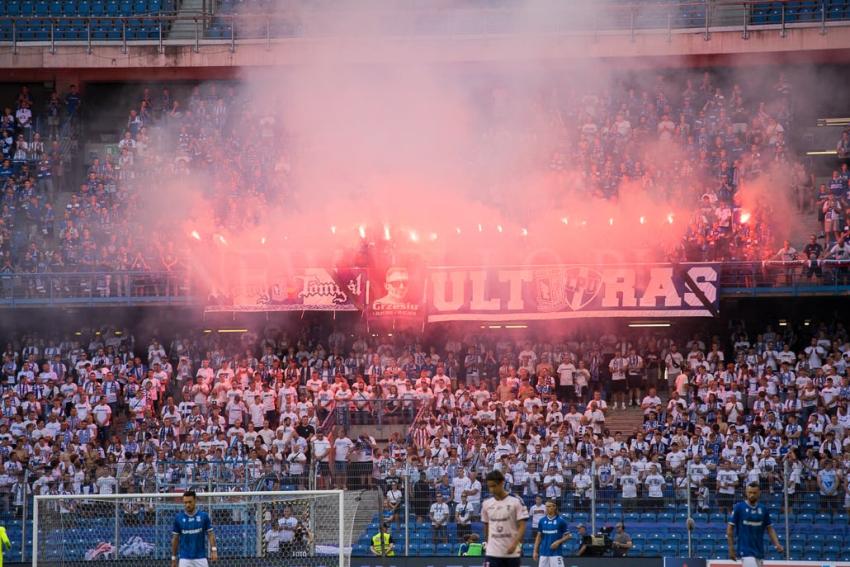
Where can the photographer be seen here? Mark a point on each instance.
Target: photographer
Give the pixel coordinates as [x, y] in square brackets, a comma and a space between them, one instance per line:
[586, 542]
[594, 545]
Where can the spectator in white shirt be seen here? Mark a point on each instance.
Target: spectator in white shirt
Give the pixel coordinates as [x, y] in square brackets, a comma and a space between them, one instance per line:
[439, 515]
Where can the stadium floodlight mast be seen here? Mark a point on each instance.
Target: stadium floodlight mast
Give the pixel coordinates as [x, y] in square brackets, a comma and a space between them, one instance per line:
[294, 528]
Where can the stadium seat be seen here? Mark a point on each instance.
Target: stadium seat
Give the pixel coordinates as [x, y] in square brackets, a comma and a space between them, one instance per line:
[653, 541]
[836, 9]
[670, 549]
[426, 549]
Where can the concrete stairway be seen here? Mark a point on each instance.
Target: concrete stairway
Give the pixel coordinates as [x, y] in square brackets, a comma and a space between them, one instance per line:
[624, 421]
[184, 27]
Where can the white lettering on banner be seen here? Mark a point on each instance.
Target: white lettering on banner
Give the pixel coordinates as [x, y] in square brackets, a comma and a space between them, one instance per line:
[660, 285]
[621, 283]
[479, 290]
[514, 279]
[569, 292]
[438, 290]
[705, 277]
[320, 288]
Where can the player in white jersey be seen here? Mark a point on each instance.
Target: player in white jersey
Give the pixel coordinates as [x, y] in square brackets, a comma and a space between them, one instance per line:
[504, 517]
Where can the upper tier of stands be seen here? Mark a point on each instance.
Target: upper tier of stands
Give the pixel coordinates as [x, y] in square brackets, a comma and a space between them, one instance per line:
[133, 20]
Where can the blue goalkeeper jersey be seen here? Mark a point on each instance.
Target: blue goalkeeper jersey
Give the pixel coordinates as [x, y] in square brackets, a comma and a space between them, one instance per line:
[551, 530]
[749, 522]
[193, 534]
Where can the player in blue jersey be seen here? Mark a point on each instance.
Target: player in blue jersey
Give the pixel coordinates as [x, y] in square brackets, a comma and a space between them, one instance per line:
[748, 523]
[192, 529]
[552, 532]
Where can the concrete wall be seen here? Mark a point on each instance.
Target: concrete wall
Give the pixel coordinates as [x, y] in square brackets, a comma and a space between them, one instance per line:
[73, 64]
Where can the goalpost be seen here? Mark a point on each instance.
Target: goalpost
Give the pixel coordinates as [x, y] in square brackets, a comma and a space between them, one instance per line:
[70, 530]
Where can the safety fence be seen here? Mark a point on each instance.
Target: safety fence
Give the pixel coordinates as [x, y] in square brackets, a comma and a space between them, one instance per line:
[436, 510]
[52, 22]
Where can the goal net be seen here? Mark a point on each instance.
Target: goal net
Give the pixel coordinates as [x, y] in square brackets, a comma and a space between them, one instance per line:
[262, 529]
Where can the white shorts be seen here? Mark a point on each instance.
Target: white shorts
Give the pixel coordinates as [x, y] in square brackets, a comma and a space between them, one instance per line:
[551, 561]
[751, 562]
[193, 563]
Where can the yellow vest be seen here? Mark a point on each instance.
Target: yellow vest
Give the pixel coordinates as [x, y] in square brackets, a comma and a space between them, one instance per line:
[4, 543]
[381, 542]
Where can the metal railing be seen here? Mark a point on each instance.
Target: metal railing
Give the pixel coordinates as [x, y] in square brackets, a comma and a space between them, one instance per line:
[378, 412]
[20, 289]
[90, 288]
[810, 518]
[774, 277]
[213, 26]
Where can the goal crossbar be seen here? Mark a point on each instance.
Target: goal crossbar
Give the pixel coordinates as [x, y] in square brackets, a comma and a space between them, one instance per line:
[165, 496]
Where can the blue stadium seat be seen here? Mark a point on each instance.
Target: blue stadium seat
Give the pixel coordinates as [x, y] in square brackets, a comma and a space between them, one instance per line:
[836, 9]
[774, 13]
[653, 541]
[444, 550]
[810, 10]
[426, 549]
[13, 7]
[27, 8]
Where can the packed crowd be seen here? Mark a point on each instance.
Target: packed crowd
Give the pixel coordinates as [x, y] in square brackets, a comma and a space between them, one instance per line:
[713, 139]
[831, 199]
[687, 141]
[100, 412]
[33, 158]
